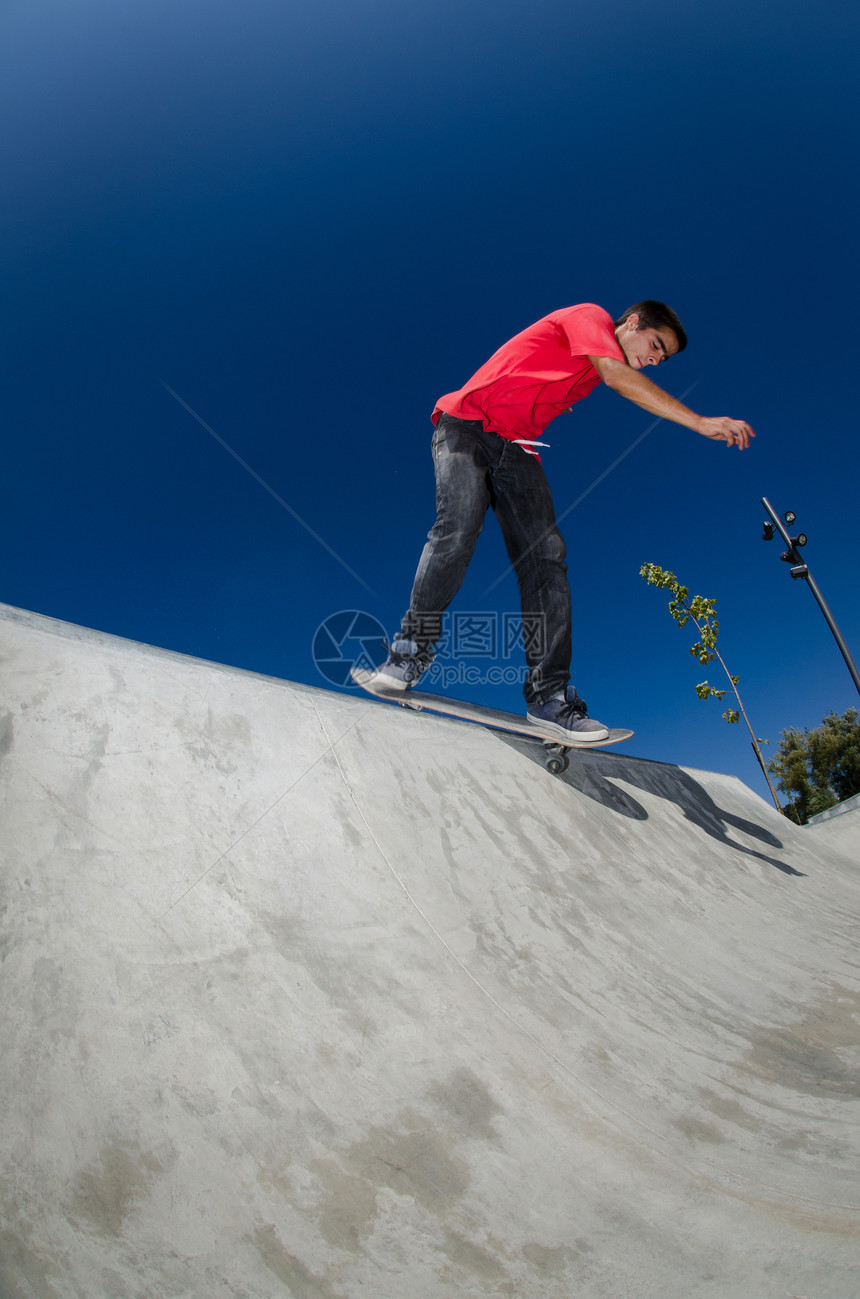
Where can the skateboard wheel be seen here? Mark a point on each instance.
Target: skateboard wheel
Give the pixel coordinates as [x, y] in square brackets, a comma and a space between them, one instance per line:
[556, 765]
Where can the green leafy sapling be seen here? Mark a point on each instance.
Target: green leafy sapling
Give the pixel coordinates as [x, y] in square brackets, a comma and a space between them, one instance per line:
[703, 613]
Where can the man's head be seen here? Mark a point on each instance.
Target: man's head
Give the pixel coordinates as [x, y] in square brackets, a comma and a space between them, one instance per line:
[649, 332]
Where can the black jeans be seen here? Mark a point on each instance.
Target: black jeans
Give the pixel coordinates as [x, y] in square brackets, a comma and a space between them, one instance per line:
[477, 470]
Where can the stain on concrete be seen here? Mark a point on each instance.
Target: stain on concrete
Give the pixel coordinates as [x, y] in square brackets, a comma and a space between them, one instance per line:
[350, 1207]
[7, 734]
[467, 1103]
[696, 1130]
[727, 1108]
[301, 1283]
[413, 1158]
[418, 1162]
[817, 1054]
[108, 1191]
[479, 1263]
[93, 758]
[552, 1262]
[211, 743]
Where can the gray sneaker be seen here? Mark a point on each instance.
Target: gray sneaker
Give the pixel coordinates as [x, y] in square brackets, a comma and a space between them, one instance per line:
[567, 718]
[400, 670]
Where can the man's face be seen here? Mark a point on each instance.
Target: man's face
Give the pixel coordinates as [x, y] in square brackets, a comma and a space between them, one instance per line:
[644, 347]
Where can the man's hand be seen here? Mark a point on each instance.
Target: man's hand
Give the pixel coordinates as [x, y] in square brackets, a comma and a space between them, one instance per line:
[633, 385]
[721, 428]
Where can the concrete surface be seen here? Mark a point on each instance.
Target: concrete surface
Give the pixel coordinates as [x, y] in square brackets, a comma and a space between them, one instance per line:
[842, 835]
[304, 995]
[839, 827]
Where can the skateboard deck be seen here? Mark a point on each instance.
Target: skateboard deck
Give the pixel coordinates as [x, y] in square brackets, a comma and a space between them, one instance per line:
[512, 723]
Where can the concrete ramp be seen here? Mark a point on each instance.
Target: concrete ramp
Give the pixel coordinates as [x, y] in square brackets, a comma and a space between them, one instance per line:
[307, 996]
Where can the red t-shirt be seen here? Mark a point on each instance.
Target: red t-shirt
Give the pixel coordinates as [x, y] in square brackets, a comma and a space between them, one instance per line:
[537, 374]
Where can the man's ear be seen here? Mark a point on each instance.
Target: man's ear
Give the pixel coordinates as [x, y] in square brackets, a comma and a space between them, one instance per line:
[632, 322]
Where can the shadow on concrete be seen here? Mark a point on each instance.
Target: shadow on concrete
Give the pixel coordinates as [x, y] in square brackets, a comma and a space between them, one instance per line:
[587, 773]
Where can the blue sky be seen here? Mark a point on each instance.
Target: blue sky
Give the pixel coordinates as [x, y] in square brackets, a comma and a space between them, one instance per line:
[310, 223]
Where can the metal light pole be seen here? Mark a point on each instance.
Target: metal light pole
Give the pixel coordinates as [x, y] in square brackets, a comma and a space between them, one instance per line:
[800, 569]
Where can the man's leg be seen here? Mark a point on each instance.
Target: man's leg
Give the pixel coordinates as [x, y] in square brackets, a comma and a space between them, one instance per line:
[524, 508]
[525, 512]
[462, 463]
[462, 498]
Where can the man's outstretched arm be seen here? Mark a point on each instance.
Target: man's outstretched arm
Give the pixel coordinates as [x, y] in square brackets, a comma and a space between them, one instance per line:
[633, 385]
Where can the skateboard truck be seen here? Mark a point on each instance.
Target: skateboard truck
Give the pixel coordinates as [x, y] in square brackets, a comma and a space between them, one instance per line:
[556, 760]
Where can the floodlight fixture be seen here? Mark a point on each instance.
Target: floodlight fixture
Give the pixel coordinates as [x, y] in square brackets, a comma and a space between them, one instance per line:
[801, 570]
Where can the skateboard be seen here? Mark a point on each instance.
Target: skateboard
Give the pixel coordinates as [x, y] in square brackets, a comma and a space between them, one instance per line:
[419, 701]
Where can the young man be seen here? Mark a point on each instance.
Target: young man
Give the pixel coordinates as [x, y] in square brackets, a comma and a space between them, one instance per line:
[484, 454]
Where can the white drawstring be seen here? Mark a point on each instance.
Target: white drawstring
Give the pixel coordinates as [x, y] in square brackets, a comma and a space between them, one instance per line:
[527, 444]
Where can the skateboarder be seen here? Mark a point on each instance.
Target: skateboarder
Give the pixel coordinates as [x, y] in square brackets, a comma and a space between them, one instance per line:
[484, 451]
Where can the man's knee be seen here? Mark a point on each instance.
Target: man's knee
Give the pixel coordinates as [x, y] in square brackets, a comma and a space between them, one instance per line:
[456, 534]
[550, 549]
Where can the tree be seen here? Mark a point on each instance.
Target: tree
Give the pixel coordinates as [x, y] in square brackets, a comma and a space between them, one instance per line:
[819, 768]
[702, 612]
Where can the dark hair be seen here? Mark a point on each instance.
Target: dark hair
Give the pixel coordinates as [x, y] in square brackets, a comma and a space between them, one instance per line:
[656, 315]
